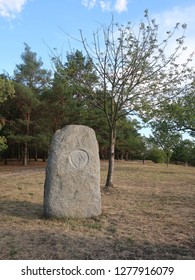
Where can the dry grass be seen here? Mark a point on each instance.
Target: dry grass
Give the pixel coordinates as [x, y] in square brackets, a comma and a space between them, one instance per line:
[149, 214]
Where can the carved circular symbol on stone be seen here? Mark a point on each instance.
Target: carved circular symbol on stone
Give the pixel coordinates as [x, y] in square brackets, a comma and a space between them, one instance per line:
[78, 159]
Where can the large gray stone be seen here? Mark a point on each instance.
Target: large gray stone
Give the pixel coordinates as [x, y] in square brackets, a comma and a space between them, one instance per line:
[72, 184]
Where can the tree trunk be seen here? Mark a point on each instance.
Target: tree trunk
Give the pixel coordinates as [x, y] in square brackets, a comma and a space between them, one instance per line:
[167, 159]
[25, 156]
[19, 152]
[109, 181]
[44, 156]
[143, 160]
[36, 156]
[127, 156]
[5, 157]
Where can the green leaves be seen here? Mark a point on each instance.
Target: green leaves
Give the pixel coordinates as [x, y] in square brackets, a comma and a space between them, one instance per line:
[184, 151]
[180, 112]
[6, 89]
[30, 71]
[164, 136]
[3, 143]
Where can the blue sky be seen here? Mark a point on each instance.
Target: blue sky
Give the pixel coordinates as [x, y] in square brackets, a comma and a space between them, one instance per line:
[37, 21]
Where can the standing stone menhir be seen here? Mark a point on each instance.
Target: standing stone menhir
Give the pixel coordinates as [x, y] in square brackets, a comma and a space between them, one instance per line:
[72, 184]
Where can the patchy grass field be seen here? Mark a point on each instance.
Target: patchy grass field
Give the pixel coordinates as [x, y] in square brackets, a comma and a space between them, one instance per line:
[148, 214]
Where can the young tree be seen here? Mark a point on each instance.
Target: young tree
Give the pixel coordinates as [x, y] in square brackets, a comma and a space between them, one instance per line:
[164, 137]
[134, 73]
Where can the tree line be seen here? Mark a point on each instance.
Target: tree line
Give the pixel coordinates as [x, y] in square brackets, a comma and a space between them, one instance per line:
[125, 71]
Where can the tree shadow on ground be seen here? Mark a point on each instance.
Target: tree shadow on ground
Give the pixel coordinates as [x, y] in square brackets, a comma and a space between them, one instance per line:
[59, 242]
[44, 244]
[23, 209]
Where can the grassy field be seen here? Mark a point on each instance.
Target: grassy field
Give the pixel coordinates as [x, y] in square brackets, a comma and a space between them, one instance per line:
[148, 214]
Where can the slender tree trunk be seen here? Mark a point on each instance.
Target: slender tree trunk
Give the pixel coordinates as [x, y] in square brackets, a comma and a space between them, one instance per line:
[19, 153]
[167, 160]
[127, 156]
[44, 156]
[109, 181]
[143, 160]
[36, 156]
[5, 157]
[25, 157]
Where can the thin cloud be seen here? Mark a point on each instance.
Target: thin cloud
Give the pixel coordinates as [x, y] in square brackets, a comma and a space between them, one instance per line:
[121, 6]
[107, 5]
[168, 19]
[178, 14]
[10, 8]
[88, 3]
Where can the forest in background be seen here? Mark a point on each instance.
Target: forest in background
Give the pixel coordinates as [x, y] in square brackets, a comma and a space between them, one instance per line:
[36, 102]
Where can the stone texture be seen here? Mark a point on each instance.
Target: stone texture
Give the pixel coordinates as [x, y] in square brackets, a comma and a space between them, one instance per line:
[72, 184]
